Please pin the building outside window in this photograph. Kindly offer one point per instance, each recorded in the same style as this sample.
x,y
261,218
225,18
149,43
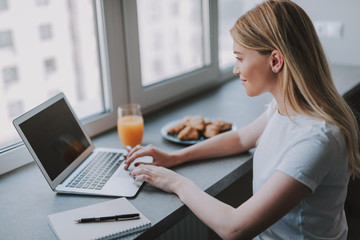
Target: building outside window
x,y
42,2
6,39
229,11
50,66
45,31
10,76
170,45
74,58
3,5
15,108
170,37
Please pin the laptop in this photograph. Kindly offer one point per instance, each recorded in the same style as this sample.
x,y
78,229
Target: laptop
x,y
66,156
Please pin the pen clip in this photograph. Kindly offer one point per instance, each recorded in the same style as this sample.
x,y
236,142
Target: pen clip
x,y
127,218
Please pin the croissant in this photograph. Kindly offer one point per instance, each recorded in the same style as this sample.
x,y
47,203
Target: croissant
x,y
196,122
211,130
176,129
192,127
223,126
188,133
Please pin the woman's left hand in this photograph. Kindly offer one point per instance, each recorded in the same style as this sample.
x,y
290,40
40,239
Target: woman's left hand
x,y
159,177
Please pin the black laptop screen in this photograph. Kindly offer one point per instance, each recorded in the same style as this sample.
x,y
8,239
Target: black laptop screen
x,y
55,137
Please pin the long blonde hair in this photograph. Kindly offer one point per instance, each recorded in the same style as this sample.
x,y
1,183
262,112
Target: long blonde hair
x,y
307,83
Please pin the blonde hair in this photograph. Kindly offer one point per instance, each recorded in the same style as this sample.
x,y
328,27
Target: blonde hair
x,y
307,83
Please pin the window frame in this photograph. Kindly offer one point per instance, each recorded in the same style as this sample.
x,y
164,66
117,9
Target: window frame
x,y
170,90
119,76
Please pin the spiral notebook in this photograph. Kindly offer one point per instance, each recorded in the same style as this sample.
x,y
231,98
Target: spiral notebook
x,y
65,227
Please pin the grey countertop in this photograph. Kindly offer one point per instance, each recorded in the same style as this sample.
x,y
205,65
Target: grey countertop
x,y
26,199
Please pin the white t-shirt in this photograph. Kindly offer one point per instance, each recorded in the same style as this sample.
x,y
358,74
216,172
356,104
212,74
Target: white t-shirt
x,y
314,153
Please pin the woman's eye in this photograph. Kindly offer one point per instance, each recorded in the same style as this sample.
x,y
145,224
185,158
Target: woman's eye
x,y
239,59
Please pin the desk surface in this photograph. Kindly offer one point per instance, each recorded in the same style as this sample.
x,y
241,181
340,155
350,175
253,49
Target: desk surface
x,y
26,199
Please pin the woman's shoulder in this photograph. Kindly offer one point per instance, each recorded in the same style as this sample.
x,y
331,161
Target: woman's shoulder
x,y
320,131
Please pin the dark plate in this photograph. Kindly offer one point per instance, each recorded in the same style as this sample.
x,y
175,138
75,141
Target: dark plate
x,y
173,137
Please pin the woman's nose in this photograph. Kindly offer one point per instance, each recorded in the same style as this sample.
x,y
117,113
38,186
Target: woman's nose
x,y
236,69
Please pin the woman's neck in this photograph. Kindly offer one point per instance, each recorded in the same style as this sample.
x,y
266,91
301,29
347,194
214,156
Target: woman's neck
x,y
284,109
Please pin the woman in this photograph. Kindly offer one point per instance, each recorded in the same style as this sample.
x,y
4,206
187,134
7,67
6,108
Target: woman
x,y
307,141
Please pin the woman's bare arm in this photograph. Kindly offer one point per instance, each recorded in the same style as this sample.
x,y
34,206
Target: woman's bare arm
x,y
277,197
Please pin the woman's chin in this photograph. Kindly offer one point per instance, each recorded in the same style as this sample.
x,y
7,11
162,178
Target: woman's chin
x,y
251,93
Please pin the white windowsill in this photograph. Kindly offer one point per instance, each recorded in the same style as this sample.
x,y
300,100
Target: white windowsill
x,y
14,158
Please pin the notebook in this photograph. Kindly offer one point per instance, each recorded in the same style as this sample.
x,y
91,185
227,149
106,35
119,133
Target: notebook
x,y
66,156
65,227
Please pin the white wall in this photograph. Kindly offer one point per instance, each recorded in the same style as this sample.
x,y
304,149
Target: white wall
x,y
344,50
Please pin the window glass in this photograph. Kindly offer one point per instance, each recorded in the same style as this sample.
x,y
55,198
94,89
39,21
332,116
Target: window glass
x,y
3,5
5,39
42,2
229,11
49,65
68,61
10,76
15,108
45,31
171,38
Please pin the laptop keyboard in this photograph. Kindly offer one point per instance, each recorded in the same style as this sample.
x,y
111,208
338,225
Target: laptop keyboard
x,y
98,171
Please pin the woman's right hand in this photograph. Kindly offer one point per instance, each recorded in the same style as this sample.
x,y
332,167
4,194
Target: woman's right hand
x,y
160,158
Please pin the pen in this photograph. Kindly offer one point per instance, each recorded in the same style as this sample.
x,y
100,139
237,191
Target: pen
x,y
122,217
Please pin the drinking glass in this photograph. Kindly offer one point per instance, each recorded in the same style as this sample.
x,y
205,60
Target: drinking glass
x,y
130,125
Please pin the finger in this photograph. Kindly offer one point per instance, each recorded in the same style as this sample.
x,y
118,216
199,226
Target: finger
x,y
128,148
132,150
143,178
144,173
136,153
132,156
138,147
136,171
142,169
143,163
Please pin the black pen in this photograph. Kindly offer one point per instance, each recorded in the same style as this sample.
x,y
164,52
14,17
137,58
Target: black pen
x,y
121,217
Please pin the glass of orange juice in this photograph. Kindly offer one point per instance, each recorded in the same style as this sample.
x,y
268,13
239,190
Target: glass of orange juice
x,y
130,124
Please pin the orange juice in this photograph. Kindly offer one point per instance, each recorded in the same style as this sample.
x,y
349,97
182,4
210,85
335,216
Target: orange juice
x,y
131,130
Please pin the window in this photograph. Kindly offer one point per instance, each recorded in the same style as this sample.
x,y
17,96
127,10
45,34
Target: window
x,y
228,13
6,39
45,31
170,38
12,109
171,48
3,5
15,109
74,58
10,76
78,66
49,65
42,2
105,53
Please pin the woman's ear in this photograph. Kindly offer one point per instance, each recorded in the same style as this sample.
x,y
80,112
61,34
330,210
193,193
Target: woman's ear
x,y
276,61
